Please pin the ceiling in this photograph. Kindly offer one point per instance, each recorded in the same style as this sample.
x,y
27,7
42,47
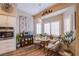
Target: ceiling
x,y
68,10
33,8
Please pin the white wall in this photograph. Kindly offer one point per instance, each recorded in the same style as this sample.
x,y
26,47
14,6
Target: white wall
x,y
29,20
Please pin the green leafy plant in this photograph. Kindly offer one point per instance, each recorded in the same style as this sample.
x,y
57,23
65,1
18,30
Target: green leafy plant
x,y
67,38
18,37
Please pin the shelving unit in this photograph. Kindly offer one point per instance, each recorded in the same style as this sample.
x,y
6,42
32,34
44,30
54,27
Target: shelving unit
x,y
25,41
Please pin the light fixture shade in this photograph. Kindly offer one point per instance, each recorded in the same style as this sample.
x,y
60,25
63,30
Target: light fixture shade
x,y
7,7
40,20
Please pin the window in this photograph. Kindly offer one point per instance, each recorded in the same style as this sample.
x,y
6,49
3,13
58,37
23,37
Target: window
x,y
47,28
55,28
51,28
38,28
67,24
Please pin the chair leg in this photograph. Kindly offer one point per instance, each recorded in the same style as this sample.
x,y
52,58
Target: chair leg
x,y
47,52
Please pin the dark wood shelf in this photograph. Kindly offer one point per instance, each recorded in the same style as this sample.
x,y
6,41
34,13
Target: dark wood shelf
x,y
23,42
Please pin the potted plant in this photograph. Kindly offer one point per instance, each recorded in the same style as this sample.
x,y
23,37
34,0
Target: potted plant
x,y
18,40
18,37
67,38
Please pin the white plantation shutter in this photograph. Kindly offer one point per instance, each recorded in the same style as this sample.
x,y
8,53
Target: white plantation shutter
x,y
55,28
38,28
67,24
47,28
